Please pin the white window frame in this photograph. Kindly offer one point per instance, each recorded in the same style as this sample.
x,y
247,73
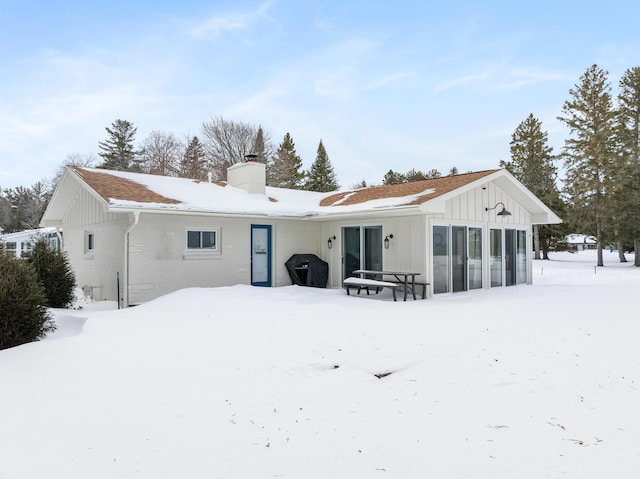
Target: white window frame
x,y
201,249
89,241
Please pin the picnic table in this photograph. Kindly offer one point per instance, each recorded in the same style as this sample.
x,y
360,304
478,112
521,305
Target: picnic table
x,y
405,278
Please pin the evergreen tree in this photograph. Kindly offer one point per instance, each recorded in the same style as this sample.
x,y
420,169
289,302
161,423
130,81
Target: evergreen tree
x,y
453,171
589,155
532,163
54,273
193,163
628,133
23,207
321,176
286,169
259,148
393,178
117,150
23,314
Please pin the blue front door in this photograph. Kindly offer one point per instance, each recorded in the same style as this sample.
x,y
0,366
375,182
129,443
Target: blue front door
x,y
261,255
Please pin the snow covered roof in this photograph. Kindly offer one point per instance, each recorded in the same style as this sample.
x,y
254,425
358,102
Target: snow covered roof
x,y
125,190
575,238
27,234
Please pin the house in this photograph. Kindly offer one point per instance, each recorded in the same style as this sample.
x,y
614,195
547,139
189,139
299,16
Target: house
x,y
580,242
142,236
20,244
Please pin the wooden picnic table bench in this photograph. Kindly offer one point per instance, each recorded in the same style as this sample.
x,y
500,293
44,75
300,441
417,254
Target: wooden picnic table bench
x,y
406,279
365,283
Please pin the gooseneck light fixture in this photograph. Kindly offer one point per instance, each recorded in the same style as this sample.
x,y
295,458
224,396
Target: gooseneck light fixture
x,y
330,242
502,212
386,241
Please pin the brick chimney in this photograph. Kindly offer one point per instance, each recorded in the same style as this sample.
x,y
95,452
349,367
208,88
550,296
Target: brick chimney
x,y
251,176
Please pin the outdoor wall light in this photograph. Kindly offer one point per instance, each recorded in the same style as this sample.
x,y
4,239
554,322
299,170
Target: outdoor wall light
x,y
502,212
330,242
386,241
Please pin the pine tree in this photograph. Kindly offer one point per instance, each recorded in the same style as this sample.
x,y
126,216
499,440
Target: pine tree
x,y
193,163
259,147
54,273
393,178
589,155
286,169
117,150
628,132
23,314
321,176
532,163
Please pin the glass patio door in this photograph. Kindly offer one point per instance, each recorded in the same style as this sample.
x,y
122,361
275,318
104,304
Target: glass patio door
x,y
457,258
362,249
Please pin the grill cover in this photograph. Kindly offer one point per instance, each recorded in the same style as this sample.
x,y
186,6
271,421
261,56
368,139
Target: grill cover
x,y
308,270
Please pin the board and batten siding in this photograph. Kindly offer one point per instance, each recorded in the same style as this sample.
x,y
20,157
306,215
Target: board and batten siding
x,y
469,207
406,249
96,272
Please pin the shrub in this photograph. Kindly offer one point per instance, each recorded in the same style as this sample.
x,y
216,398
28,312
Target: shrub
x,y
55,274
23,314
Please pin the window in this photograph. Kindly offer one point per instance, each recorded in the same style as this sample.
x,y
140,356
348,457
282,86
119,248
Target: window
x,y
89,241
27,249
202,240
11,247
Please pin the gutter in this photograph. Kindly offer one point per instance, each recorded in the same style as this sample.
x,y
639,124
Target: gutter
x,y
312,215
136,219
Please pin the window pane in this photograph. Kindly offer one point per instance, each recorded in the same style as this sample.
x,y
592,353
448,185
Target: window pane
x,y
209,239
373,248
193,239
475,258
440,259
496,257
521,272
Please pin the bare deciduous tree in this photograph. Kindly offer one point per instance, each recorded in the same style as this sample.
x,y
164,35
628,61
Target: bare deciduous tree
x,y
226,143
73,159
161,153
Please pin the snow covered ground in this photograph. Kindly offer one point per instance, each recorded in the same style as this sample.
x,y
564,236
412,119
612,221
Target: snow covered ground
x,y
532,382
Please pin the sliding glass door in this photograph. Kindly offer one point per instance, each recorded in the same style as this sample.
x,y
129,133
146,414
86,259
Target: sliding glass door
x,y
457,258
362,249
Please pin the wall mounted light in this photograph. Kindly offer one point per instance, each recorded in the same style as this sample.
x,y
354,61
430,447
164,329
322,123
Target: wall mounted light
x,y
330,242
386,241
502,212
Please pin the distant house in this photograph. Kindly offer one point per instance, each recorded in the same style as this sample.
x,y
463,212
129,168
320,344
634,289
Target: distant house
x,y
20,244
145,235
580,242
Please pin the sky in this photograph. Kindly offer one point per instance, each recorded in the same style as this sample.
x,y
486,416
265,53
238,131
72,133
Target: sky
x,y
384,85
539,381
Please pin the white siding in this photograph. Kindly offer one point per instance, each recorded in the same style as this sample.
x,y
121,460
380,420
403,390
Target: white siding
x,y
159,264
406,249
96,271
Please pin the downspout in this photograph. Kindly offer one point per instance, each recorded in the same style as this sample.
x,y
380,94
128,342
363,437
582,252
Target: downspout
x,y
136,219
60,238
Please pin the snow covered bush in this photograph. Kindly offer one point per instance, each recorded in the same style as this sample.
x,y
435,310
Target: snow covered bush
x,y
23,314
54,271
